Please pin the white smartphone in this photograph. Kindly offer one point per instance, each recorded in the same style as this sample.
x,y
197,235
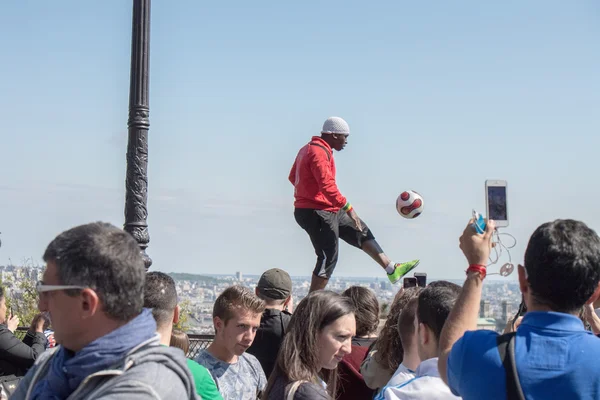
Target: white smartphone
x,y
496,202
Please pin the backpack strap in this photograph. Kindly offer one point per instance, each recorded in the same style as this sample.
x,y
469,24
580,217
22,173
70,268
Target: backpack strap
x,y
323,147
293,388
506,348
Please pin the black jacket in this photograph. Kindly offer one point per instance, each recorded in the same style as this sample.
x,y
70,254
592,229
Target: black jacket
x,y
17,356
273,326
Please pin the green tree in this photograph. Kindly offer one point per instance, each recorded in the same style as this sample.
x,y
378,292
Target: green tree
x,y
21,296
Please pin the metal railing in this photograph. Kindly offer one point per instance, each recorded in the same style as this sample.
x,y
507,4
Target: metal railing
x,y
197,342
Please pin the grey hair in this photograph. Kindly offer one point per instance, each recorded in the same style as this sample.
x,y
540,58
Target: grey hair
x,y
106,259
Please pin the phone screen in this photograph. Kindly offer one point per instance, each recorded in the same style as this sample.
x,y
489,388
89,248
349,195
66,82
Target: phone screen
x,y
497,203
421,279
410,282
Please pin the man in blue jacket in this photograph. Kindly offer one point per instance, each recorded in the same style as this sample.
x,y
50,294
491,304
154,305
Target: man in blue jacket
x,y
93,289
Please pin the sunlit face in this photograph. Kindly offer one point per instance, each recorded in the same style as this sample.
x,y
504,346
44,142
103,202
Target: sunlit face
x,y
238,333
63,309
335,341
339,141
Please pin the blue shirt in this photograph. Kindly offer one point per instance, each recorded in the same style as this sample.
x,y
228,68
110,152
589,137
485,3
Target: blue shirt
x,y
556,359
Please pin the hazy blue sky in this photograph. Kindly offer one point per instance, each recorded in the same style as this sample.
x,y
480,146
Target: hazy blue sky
x,y
439,97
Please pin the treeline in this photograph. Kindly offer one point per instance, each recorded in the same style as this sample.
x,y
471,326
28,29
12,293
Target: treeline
x,y
181,276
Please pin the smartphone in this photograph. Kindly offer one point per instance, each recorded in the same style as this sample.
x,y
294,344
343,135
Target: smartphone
x,y
421,278
410,282
495,202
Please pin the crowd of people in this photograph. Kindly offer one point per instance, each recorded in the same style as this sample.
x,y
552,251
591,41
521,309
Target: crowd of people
x,y
113,324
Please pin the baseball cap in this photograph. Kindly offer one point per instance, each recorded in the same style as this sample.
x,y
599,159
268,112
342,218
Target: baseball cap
x,y
275,284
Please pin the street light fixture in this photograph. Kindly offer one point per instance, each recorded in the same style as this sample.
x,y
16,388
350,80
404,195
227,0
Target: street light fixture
x,y
136,181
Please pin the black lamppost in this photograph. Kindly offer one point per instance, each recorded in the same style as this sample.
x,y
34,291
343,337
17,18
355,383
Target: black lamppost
x,y
136,182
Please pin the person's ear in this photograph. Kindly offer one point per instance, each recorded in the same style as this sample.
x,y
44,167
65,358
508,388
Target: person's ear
x,y
89,303
595,296
176,314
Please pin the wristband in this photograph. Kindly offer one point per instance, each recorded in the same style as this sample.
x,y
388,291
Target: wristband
x,y
347,207
481,269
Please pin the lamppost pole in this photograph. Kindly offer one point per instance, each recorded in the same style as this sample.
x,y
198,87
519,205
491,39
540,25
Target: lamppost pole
x,y
136,181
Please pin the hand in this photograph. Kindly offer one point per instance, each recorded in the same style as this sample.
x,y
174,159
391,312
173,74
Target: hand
x,y
589,314
352,214
12,323
512,328
476,247
37,325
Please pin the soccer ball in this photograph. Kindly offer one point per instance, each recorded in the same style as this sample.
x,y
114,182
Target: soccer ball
x,y
409,204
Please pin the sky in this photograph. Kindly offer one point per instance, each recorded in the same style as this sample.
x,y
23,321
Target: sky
x,y
439,96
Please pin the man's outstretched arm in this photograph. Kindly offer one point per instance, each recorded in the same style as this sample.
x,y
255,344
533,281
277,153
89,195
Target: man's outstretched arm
x,y
463,316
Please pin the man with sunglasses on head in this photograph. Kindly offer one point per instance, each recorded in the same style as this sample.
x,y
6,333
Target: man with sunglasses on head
x,y
93,290
325,214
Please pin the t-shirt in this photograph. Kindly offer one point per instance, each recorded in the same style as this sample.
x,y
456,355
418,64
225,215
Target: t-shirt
x,y
401,375
555,359
205,385
242,380
426,385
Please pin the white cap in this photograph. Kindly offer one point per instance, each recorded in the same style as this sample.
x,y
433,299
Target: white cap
x,y
336,125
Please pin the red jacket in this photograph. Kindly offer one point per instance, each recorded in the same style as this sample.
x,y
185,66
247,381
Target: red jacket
x,y
313,177
351,385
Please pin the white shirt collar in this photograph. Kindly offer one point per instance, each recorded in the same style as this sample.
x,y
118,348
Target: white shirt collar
x,y
428,368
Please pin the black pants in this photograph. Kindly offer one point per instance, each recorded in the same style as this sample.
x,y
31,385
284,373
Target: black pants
x,y
325,228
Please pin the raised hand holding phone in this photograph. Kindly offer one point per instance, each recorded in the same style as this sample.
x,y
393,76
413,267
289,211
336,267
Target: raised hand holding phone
x,y
476,247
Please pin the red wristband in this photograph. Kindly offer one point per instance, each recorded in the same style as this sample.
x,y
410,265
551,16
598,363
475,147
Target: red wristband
x,y
478,268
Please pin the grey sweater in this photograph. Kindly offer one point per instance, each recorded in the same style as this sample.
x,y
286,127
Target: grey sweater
x,y
149,371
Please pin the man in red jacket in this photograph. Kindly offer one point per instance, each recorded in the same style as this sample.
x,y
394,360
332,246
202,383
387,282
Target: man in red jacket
x,y
325,214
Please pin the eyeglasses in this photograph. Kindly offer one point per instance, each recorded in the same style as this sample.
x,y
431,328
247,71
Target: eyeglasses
x,y
41,288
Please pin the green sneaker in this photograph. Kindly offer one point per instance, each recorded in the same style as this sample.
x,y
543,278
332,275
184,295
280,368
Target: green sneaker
x,y
401,270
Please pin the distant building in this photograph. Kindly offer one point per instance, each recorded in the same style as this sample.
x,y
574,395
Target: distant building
x,y
507,311
486,323
484,309
238,276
